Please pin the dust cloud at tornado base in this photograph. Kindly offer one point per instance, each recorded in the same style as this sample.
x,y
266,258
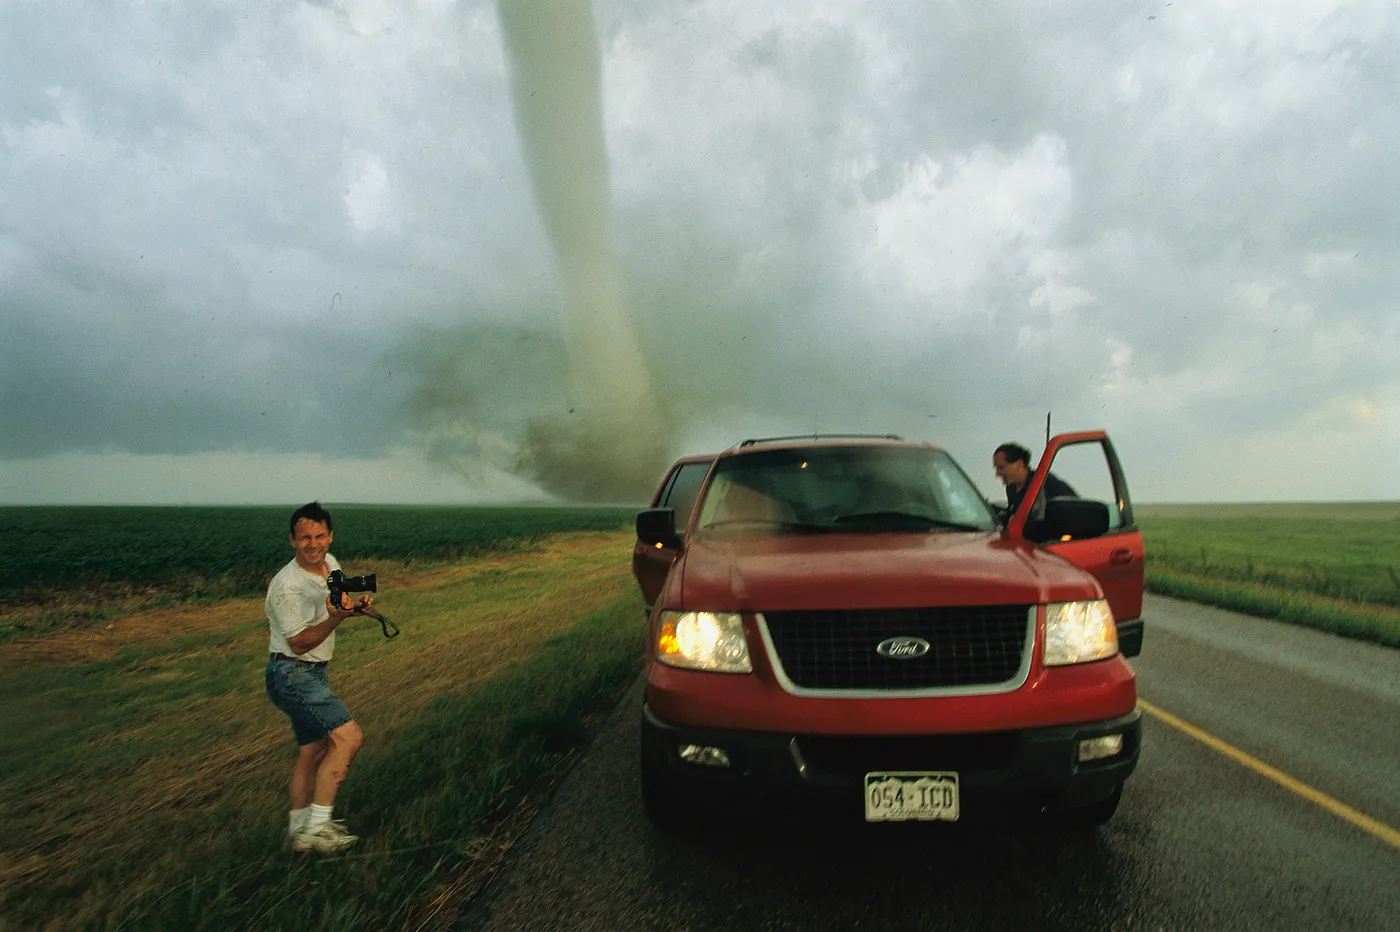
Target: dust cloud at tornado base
x,y
584,423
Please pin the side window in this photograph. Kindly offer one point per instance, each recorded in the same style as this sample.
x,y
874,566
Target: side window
x,y
1085,467
681,493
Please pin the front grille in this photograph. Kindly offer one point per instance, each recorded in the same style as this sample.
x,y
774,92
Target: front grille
x,y
968,646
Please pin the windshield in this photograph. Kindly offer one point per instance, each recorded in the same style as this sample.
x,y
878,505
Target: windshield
x,y
841,488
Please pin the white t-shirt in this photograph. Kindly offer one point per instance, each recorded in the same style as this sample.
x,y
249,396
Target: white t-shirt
x,y
296,600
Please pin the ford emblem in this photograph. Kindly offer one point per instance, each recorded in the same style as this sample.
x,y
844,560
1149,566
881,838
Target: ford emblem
x,y
902,648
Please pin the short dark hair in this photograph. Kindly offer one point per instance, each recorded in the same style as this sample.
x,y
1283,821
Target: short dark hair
x,y
311,511
1014,453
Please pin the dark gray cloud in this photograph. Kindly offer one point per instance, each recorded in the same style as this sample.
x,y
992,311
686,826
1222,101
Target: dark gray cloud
x,y
311,229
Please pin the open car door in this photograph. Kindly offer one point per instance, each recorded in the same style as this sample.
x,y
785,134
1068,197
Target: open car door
x,y
1093,527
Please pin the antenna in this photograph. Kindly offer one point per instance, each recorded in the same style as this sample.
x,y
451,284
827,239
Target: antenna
x,y
1047,428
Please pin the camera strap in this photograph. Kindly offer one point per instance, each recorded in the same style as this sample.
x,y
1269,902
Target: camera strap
x,y
384,623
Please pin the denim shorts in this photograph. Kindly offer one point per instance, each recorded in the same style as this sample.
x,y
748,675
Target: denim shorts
x,y
302,690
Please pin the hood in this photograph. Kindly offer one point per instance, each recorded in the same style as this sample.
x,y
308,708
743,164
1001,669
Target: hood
x,y
885,570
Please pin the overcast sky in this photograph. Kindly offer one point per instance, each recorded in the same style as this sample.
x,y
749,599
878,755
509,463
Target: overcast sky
x,y
269,252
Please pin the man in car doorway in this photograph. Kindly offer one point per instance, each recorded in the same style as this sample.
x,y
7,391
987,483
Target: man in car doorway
x,y
1012,463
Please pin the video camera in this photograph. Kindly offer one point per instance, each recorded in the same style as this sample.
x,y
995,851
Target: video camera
x,y
339,583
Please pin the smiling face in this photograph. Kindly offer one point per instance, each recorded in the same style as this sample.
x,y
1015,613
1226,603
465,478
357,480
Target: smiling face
x,y
312,541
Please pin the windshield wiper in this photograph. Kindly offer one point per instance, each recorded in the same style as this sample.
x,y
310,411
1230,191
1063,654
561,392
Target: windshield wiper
x,y
903,517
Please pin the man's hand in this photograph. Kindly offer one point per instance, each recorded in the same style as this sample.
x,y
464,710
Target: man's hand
x,y
342,611
346,608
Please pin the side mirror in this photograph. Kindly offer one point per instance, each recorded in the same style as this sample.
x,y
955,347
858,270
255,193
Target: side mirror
x,y
658,526
1073,519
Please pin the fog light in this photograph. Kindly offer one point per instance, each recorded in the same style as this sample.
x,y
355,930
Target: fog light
x,y
705,756
1099,748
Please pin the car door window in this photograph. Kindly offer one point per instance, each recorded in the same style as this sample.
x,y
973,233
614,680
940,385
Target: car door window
x,y
1085,467
681,493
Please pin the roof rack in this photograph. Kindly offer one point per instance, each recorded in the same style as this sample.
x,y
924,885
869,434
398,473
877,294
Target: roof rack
x,y
755,441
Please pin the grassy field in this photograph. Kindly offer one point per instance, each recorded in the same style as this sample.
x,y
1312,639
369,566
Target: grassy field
x,y
143,772
1334,566
70,567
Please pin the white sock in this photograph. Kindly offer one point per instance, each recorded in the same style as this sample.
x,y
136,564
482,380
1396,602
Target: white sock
x,y
297,818
316,816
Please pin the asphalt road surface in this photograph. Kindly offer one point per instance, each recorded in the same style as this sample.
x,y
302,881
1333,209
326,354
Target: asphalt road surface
x,y
1267,797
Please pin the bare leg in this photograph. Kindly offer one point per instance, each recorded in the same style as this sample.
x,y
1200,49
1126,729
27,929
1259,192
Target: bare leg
x,y
309,758
344,744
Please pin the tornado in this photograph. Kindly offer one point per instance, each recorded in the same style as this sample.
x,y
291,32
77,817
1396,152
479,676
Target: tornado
x,y
611,443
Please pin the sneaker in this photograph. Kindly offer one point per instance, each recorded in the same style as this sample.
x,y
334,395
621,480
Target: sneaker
x,y
326,838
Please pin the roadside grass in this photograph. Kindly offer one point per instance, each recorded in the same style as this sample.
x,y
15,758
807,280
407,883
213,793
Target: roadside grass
x,y
143,771
1332,566
1367,622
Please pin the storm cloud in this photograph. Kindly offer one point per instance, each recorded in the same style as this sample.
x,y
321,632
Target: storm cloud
x,y
306,238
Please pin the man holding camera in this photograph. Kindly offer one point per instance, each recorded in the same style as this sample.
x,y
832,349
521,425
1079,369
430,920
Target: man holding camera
x,y
303,620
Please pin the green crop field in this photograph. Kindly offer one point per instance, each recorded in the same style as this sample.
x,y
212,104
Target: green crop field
x,y
1334,566
62,546
68,567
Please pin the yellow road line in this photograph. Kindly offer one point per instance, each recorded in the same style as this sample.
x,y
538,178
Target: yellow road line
x,y
1336,807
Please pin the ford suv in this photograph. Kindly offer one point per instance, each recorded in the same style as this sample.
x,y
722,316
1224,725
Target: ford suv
x,y
846,621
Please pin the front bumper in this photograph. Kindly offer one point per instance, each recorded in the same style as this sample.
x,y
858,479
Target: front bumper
x,y
998,772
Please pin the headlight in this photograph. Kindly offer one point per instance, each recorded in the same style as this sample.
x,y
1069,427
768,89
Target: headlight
x,y
1078,632
703,641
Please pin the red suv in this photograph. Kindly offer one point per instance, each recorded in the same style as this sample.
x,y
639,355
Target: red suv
x,y
846,620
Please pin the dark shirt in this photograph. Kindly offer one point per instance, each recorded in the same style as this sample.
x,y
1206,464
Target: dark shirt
x,y
1054,487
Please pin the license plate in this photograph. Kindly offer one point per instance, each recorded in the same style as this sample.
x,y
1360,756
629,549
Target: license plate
x,y
899,797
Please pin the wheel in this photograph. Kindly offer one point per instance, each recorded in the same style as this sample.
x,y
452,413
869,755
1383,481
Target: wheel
x,y
1092,815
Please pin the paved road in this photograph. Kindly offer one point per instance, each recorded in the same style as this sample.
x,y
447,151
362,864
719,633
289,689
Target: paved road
x,y
1203,840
